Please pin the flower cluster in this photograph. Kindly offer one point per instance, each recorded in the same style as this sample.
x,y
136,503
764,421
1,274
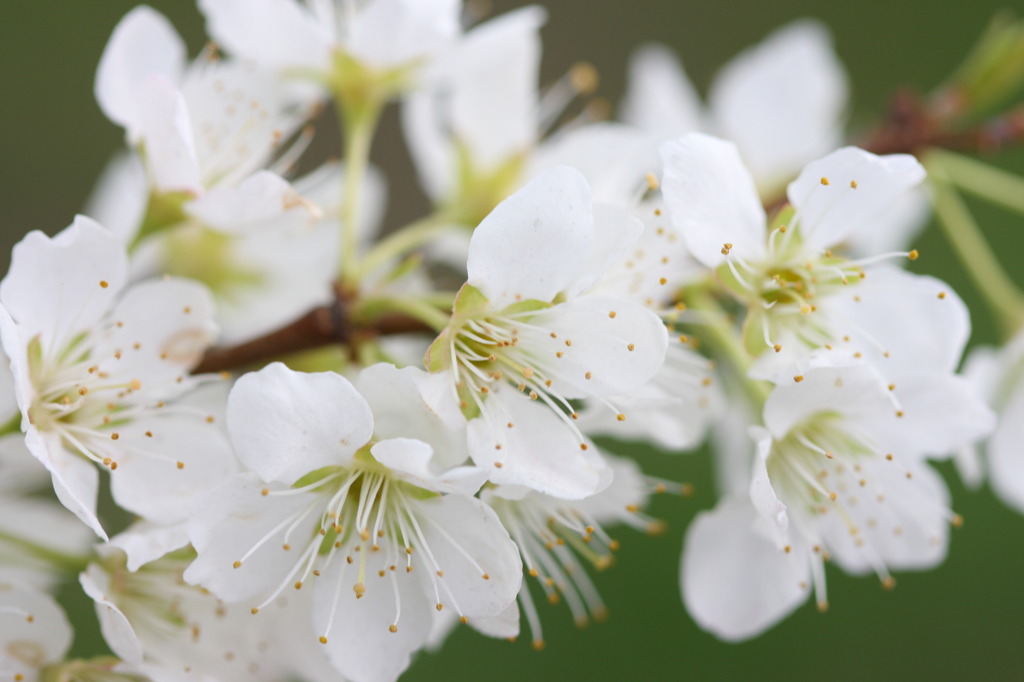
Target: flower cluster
x,y
334,446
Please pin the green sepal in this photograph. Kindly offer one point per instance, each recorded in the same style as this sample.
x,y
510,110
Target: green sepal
x,y
314,476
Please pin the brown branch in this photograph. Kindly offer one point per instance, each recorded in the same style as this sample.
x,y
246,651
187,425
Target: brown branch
x,y
912,125
323,326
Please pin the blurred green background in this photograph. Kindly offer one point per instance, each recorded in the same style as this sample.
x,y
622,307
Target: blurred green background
x,y
962,621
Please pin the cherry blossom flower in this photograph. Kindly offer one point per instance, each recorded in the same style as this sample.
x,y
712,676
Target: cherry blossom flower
x,y
96,368
34,633
386,539
321,39
839,475
526,335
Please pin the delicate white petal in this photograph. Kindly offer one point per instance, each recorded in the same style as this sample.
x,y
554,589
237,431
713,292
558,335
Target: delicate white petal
x,y
843,192
411,403
142,43
165,327
858,393
659,97
259,198
505,625
61,286
782,102
458,526
613,158
410,460
601,354
144,541
229,521
276,33
360,644
42,523
901,522
711,198
1006,452
615,231
425,127
938,414
117,631
161,476
285,424
75,481
165,133
895,228
390,33
736,583
535,243
119,198
494,104
45,637
762,494
902,322
539,452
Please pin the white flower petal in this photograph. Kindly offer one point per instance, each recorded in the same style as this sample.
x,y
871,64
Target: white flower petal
x,y
142,43
842,193
534,244
161,476
390,33
165,133
119,198
902,322
58,287
285,424
75,481
46,635
494,102
229,521
601,354
939,414
762,494
1006,454
411,460
858,393
895,228
165,327
275,33
360,643
505,625
539,452
615,231
908,529
144,541
711,198
261,197
43,523
411,403
782,102
660,98
482,568
736,583
117,631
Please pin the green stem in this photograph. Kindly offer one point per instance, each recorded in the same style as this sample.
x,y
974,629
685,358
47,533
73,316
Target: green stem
x,y
70,562
983,180
418,308
359,127
13,425
1001,294
726,339
403,240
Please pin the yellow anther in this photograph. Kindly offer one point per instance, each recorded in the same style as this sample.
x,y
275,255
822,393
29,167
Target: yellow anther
x,y
583,77
824,180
